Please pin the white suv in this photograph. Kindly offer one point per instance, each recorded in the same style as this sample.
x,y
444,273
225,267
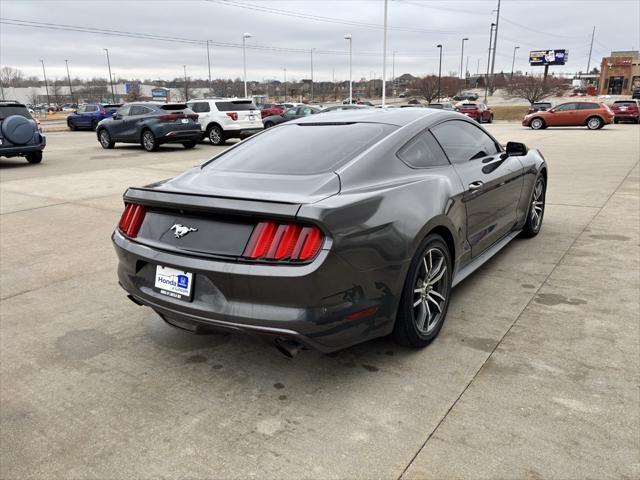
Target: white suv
x,y
223,118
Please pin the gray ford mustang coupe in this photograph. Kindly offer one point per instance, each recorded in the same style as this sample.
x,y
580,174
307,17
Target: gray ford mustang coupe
x,y
330,230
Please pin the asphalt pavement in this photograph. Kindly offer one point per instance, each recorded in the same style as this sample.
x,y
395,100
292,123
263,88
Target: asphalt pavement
x,y
534,375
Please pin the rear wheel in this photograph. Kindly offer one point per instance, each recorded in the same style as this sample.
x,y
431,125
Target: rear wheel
x,y
216,135
425,298
268,124
34,157
536,124
148,141
105,139
94,125
491,118
479,119
536,209
594,123
189,145
71,125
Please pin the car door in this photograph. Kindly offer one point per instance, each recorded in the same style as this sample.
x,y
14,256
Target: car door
x,y
90,113
131,132
492,181
117,125
203,109
586,110
564,115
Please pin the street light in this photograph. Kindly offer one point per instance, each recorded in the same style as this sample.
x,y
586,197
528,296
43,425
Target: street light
x,y
244,59
209,65
486,78
439,71
46,86
69,78
285,84
186,85
113,93
462,58
384,57
514,60
348,37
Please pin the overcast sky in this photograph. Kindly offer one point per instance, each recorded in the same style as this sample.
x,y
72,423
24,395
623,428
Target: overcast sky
x,y
293,27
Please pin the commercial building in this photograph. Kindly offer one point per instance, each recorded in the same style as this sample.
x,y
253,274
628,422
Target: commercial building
x,y
620,73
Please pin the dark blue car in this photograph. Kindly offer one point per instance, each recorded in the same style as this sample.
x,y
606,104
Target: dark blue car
x,y
89,115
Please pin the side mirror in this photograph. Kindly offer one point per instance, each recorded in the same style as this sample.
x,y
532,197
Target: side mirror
x,y
116,116
516,149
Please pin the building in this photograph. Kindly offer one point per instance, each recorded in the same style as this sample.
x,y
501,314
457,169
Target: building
x,y
620,73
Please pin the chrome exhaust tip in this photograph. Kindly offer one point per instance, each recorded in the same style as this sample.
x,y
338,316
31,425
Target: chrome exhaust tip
x,y
288,348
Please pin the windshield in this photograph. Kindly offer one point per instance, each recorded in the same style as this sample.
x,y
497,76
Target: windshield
x,y
8,110
301,149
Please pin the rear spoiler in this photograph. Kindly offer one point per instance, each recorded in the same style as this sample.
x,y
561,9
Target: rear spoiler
x,y
205,203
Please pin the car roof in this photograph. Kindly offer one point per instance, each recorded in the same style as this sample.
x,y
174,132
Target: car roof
x,y
399,117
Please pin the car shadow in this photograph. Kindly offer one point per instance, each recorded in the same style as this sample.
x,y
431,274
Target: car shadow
x,y
7,164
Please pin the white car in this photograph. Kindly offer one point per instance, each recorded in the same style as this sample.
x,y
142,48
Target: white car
x,y
224,118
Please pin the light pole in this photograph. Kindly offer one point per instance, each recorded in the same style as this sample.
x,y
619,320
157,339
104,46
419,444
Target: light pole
x,y
384,57
513,62
393,74
462,58
69,78
46,86
244,59
312,75
439,70
495,43
348,37
285,84
486,78
186,85
209,65
113,93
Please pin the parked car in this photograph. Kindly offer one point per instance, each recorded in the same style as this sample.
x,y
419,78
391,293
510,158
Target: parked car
x,y
478,111
90,114
20,133
626,110
466,96
365,102
572,114
151,124
442,106
291,114
303,234
225,118
338,108
539,106
271,109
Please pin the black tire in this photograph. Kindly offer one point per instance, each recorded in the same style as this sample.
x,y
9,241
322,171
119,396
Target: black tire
x,y
535,214
105,139
615,120
594,123
72,126
268,124
419,298
537,123
34,157
189,145
479,119
491,118
94,125
215,134
148,141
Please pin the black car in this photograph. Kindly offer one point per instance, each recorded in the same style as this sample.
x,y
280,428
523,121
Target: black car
x,y
330,230
539,107
291,114
151,124
20,134
442,106
466,96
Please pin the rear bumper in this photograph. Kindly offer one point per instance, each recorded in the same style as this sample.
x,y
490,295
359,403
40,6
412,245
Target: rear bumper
x,y
307,303
627,116
15,151
180,136
242,132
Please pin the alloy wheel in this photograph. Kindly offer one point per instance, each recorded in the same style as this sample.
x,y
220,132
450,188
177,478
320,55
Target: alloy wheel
x,y
104,138
430,291
215,136
594,123
537,205
536,123
148,141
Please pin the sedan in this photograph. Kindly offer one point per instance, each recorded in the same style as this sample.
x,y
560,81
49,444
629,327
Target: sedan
x,y
291,114
151,124
573,114
302,233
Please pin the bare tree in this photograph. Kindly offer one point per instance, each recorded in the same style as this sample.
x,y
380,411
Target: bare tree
x,y
11,76
426,86
534,89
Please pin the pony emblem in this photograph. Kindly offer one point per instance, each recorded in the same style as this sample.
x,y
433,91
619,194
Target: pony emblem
x,y
180,230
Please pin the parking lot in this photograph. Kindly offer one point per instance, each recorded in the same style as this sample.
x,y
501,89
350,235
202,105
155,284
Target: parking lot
x,y
535,373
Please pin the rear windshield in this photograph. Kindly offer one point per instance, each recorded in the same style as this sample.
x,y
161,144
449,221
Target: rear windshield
x,y
625,102
174,106
8,110
435,105
542,104
302,149
236,105
468,105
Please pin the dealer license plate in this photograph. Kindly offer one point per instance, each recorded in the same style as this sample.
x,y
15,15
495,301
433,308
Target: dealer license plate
x,y
174,283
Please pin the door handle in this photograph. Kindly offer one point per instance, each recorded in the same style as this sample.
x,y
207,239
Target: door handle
x,y
476,185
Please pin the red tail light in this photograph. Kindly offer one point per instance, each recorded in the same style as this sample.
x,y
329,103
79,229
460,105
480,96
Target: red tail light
x,y
131,219
283,241
170,116
232,115
193,116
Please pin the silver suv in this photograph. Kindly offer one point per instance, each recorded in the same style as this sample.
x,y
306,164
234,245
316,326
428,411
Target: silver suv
x,y
224,118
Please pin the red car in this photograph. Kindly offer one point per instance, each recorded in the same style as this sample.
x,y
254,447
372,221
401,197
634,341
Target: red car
x,y
270,109
572,114
626,110
478,111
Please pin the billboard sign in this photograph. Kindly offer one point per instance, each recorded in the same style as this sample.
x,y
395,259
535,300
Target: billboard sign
x,y
159,93
131,87
548,57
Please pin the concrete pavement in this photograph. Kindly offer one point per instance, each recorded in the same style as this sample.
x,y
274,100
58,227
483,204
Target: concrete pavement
x,y
534,375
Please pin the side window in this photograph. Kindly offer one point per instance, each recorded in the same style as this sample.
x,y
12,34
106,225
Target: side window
x,y
200,107
91,108
463,141
306,111
81,109
566,107
589,106
124,111
423,151
139,110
